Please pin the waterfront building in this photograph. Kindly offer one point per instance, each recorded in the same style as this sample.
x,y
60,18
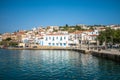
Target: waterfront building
x,y
93,35
83,37
73,41
39,40
21,45
90,36
55,40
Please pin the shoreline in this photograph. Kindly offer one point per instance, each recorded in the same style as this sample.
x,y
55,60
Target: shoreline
x,y
41,48
111,55
114,56
52,48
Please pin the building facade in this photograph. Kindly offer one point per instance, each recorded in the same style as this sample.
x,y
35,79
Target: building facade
x,y
60,40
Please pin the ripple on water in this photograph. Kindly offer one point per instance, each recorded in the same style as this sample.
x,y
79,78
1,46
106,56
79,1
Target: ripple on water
x,y
55,65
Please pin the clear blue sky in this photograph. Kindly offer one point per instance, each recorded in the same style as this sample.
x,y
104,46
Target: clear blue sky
x,y
25,14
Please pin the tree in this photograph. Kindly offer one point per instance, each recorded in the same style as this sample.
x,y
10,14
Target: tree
x,y
5,43
65,28
13,44
8,39
78,27
54,30
101,37
71,30
8,42
66,25
91,28
110,36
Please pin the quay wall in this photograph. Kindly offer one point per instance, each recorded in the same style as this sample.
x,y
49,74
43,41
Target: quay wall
x,y
51,48
81,50
41,48
102,54
114,57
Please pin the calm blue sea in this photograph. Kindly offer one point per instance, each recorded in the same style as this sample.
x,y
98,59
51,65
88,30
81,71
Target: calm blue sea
x,y
55,65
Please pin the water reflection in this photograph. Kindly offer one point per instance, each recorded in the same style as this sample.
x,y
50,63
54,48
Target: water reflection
x,y
55,64
58,62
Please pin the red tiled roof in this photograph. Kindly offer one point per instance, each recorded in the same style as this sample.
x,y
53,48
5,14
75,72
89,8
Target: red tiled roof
x,y
78,32
93,35
55,34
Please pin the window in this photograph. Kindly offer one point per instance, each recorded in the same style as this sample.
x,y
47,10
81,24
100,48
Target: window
x,y
53,39
64,44
53,44
57,44
60,44
46,38
56,37
49,44
64,37
61,38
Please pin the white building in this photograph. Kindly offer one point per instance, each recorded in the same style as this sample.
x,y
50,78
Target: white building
x,y
84,36
115,28
62,32
91,36
73,39
55,40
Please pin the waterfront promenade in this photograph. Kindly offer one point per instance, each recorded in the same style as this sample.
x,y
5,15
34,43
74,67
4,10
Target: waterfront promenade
x,y
83,47
99,50
109,51
111,54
